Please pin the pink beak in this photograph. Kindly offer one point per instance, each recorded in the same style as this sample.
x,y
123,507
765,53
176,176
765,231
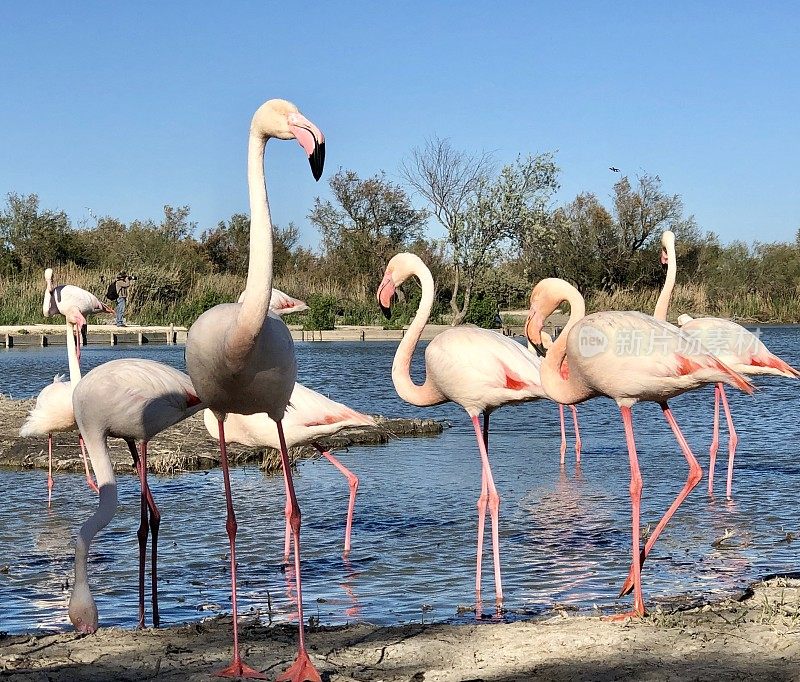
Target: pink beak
x,y
311,139
385,294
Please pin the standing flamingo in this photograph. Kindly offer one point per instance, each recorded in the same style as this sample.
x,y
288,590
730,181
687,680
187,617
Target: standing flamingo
x,y
628,357
72,302
241,359
730,342
53,413
135,400
476,368
309,417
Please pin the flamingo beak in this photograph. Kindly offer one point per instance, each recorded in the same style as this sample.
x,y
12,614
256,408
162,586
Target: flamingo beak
x,y
533,331
311,139
386,295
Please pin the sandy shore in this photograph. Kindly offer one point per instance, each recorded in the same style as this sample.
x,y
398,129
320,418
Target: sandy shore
x,y
755,638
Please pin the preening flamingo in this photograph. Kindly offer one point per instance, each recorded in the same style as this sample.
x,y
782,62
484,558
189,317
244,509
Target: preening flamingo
x,y
309,417
73,303
53,413
134,400
737,347
478,369
628,357
241,359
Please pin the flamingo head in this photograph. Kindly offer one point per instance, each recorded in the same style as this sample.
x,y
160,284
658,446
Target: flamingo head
x,y
667,246
546,296
48,277
399,269
281,119
82,609
683,319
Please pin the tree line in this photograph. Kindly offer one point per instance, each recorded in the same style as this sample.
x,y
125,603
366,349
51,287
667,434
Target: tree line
x,y
501,231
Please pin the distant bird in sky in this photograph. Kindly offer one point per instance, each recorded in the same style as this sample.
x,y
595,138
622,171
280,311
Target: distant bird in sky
x,y
613,169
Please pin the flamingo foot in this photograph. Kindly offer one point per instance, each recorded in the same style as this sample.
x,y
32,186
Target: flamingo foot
x,y
619,617
302,670
239,669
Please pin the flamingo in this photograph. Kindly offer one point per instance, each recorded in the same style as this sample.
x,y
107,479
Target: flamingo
x,y
53,413
309,416
628,357
730,342
476,368
72,302
241,359
135,400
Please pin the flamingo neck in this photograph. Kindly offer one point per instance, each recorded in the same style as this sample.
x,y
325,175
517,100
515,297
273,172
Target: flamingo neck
x,y
664,298
97,449
258,290
562,383
72,355
426,394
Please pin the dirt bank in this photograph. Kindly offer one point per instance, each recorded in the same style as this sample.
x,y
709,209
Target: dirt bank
x,y
184,447
757,638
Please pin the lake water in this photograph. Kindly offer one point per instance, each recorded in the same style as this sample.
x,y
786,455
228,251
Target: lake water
x,y
565,534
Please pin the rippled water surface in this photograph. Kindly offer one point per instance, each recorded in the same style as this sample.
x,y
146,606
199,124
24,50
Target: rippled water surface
x,y
565,534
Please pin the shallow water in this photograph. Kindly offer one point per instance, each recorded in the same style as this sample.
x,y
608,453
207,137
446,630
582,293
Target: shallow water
x,y
565,534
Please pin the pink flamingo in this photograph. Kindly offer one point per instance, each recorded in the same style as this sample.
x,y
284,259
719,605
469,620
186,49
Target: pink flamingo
x,y
73,303
241,358
737,347
309,417
478,369
53,413
135,400
628,357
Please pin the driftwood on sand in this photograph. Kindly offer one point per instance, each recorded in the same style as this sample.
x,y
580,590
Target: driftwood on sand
x,y
184,447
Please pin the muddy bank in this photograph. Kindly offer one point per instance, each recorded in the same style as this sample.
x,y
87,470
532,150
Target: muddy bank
x,y
755,638
183,447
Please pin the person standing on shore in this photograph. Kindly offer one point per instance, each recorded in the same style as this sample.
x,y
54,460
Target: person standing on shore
x,y
122,284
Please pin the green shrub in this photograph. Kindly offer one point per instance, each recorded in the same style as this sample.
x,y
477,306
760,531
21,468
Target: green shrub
x,y
482,311
321,313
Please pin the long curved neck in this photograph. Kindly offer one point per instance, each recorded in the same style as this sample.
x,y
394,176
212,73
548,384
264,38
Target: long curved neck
x,y
561,384
258,290
664,298
101,464
72,355
426,394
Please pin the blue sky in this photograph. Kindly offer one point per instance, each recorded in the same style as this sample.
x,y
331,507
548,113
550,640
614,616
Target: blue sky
x,y
123,107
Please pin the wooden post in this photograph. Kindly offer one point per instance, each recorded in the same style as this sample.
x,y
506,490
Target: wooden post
x,y
171,335
113,339
9,341
140,338
363,334
43,341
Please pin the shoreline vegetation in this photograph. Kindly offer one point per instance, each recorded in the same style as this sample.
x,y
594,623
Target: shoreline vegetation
x,y
752,636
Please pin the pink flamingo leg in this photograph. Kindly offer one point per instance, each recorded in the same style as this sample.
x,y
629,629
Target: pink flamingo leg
x,y
695,474
712,453
155,523
49,468
142,533
287,533
733,441
493,504
302,670
89,480
237,668
78,338
563,448
482,504
352,481
578,443
636,497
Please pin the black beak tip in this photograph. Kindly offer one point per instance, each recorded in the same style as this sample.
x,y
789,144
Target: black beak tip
x,y
317,160
540,351
387,312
